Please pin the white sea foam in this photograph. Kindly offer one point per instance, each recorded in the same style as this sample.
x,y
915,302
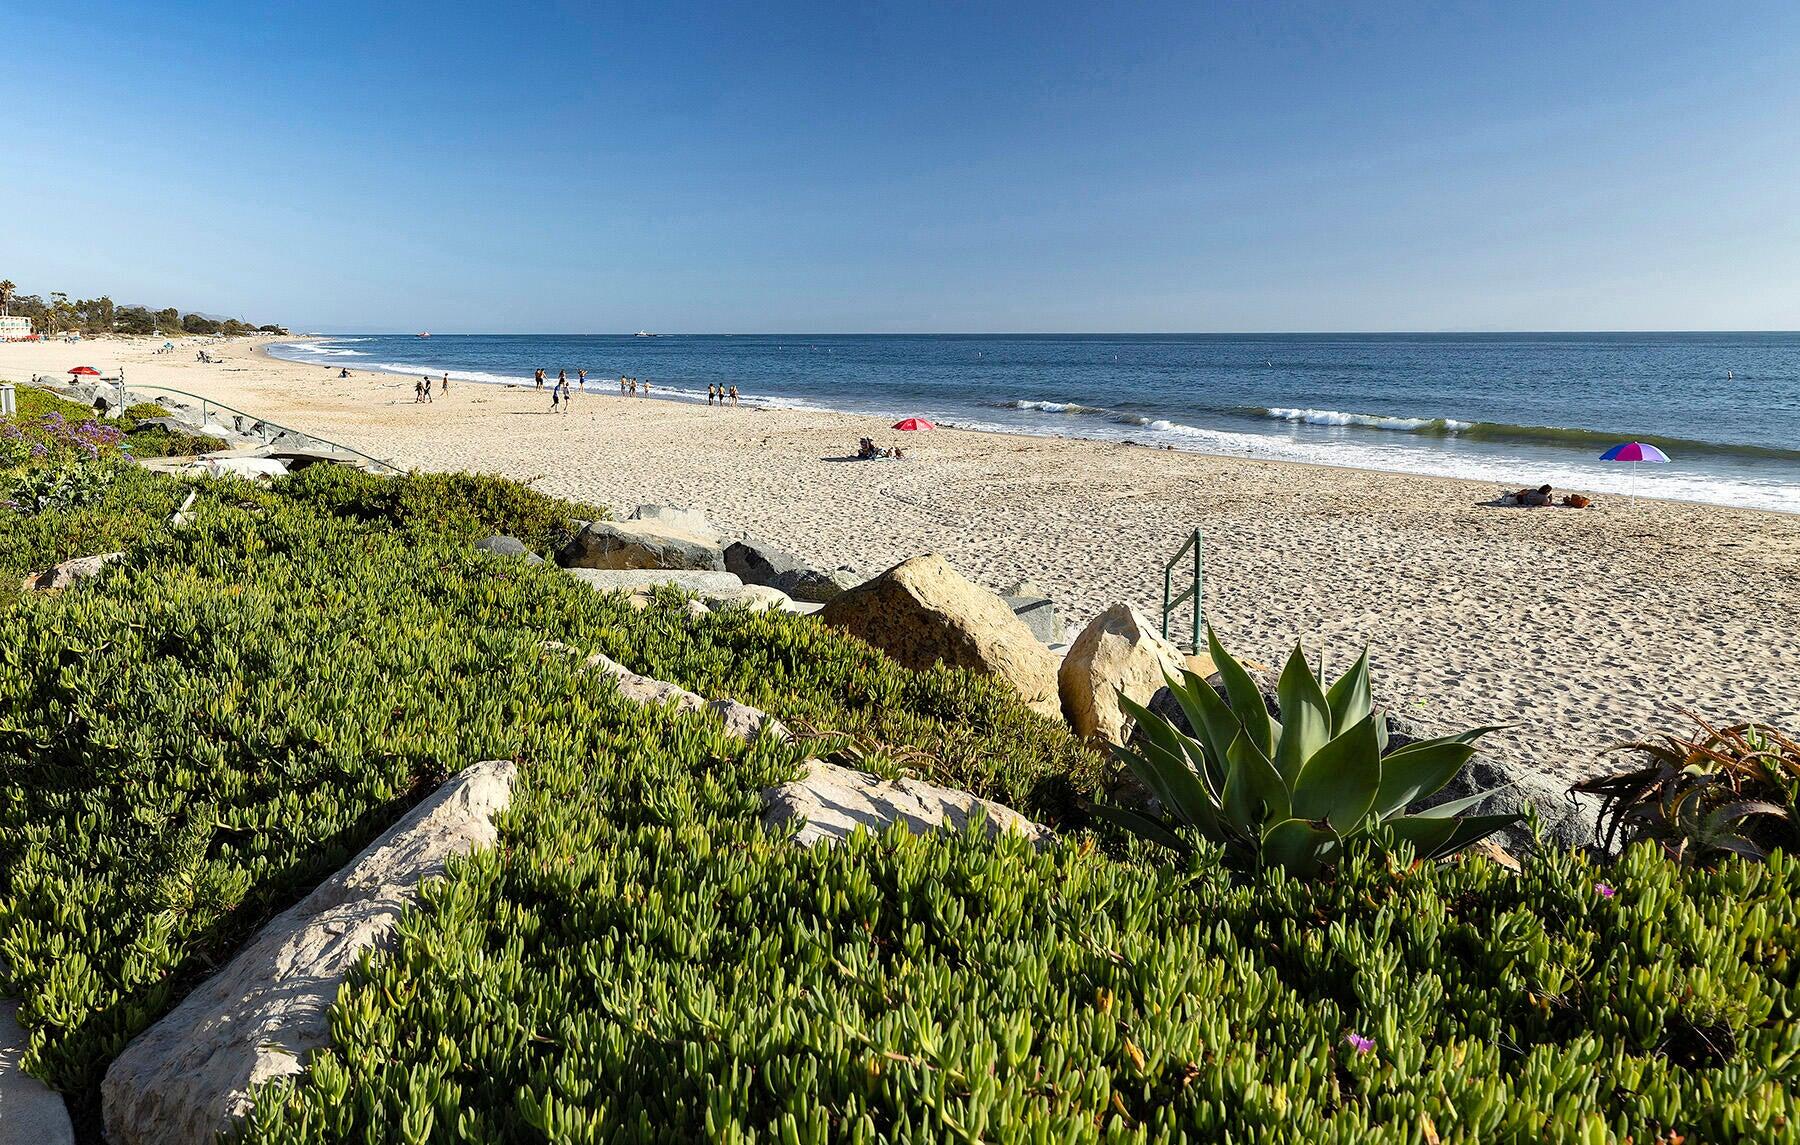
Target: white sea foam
x,y
1367,420
1050,407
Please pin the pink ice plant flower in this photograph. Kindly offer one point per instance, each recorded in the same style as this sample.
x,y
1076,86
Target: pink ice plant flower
x,y
1362,1045
1605,889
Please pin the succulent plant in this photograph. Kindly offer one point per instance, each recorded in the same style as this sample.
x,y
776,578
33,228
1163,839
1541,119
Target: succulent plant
x,y
1289,793
1722,791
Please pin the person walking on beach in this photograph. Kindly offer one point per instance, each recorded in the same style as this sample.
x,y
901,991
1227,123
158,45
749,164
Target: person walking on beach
x,y
646,387
733,395
556,397
426,382
540,379
444,386
418,392
709,393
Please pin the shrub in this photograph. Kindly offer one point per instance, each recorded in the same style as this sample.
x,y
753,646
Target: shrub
x,y
1290,793
1731,790
465,506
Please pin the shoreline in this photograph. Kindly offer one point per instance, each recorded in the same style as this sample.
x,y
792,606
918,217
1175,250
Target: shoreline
x,y
1580,629
1503,455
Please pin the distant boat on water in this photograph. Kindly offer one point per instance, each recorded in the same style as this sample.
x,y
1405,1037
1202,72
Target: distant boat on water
x,y
424,333
643,334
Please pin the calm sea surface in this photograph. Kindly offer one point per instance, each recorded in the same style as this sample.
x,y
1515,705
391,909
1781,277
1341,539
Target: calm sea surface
x,y
1511,408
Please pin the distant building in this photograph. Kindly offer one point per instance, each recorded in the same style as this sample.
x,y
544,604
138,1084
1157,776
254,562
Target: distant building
x,y
14,327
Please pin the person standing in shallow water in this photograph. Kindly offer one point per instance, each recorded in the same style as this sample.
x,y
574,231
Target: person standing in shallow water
x,y
539,378
581,375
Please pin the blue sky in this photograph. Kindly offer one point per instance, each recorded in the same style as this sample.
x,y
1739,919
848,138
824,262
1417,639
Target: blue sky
x,y
912,167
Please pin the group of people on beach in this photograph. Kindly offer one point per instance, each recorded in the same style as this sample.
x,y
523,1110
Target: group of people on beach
x,y
721,394
421,388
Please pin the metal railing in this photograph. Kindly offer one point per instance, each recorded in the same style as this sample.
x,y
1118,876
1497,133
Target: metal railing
x,y
207,405
1171,602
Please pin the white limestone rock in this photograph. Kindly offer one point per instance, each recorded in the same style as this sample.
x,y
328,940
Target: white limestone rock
x,y
834,801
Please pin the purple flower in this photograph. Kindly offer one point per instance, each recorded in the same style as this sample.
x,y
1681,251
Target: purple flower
x,y
1361,1044
1605,889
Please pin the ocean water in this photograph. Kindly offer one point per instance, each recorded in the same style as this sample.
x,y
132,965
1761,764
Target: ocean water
x,y
1514,409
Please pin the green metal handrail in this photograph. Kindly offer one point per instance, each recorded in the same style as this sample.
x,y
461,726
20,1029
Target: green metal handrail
x,y
1170,604
207,405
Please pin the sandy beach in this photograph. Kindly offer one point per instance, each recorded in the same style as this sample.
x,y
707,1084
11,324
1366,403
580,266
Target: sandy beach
x,y
1580,628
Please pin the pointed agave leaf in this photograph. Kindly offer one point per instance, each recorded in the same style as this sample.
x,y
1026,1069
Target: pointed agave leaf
x,y
1305,717
1472,829
1350,700
1340,780
1168,738
1451,808
1241,690
1420,769
1298,847
1426,833
1381,731
1254,792
1143,826
1174,784
1210,717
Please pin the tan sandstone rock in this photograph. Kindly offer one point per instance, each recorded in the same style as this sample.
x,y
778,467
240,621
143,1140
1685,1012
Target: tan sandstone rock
x,y
63,575
190,1076
923,612
1120,650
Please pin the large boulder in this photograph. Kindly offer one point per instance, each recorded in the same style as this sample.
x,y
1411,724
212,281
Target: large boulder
x,y
832,802
189,1077
1119,651
648,544
759,562
923,612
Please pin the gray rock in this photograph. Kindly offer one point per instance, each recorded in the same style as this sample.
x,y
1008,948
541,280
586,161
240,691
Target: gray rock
x,y
31,1113
833,801
755,597
759,562
67,573
1039,615
508,547
817,586
190,1076
705,584
1569,820
640,545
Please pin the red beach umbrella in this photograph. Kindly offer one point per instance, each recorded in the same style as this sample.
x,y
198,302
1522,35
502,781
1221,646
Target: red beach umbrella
x,y
86,371
914,423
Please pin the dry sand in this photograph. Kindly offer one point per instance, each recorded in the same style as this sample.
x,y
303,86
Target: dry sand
x,y
1581,629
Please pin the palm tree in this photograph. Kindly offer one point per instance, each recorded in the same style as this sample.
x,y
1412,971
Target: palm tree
x,y
7,287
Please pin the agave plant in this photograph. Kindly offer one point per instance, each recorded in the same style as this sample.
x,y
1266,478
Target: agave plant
x,y
1289,793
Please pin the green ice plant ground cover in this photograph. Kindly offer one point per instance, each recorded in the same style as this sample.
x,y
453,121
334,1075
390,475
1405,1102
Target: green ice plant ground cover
x,y
194,739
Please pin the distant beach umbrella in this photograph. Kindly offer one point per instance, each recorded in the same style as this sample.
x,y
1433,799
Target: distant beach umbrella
x,y
1634,452
86,371
914,423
